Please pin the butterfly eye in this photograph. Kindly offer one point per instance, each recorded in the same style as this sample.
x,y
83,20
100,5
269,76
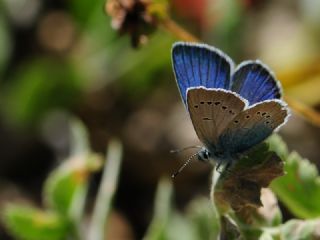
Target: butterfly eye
x,y
203,155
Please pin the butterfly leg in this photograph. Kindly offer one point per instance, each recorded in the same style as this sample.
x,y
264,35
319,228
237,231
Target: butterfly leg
x,y
220,168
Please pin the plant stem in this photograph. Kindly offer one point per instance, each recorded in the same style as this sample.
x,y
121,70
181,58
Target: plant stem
x,y
175,29
162,211
106,191
307,112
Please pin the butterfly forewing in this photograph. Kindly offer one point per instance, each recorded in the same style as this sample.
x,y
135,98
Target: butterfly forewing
x,y
252,126
211,110
200,65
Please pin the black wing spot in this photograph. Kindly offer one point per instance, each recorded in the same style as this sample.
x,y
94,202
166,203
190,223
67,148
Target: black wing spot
x,y
267,122
263,113
209,103
196,106
231,112
201,102
258,113
268,116
236,121
224,107
247,116
216,103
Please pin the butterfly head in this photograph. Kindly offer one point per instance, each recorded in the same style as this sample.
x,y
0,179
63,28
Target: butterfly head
x,y
213,156
204,155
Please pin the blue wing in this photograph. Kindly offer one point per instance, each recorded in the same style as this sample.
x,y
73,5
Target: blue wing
x,y
253,81
253,126
198,65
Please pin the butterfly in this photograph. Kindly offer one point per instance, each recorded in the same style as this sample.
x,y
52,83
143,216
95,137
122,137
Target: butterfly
x,y
231,109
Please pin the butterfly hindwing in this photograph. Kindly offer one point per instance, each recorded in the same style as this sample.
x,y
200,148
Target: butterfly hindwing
x,y
252,126
211,110
254,82
198,65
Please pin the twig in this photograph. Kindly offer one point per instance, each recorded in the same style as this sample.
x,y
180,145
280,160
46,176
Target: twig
x,y
106,191
307,112
172,27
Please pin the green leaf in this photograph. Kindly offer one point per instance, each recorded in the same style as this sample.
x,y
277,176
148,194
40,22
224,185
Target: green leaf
x,y
277,145
28,223
250,219
300,230
240,186
299,189
229,229
66,186
180,227
204,219
266,236
291,230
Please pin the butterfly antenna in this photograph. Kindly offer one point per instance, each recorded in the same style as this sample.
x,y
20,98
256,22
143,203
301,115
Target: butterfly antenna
x,y
183,149
175,174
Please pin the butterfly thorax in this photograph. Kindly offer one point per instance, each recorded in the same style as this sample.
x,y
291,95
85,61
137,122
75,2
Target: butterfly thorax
x,y
214,156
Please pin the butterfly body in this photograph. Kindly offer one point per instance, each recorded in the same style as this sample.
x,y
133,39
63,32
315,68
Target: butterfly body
x,y
232,109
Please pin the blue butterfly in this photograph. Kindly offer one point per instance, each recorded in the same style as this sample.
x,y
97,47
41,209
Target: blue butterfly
x,y
232,109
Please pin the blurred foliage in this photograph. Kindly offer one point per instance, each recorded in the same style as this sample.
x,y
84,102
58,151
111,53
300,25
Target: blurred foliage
x,y
66,187
228,27
98,56
199,221
29,223
5,45
299,189
65,193
39,86
284,34
95,60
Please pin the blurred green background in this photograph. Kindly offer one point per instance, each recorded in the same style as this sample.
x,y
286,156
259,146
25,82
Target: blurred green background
x,y
62,58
